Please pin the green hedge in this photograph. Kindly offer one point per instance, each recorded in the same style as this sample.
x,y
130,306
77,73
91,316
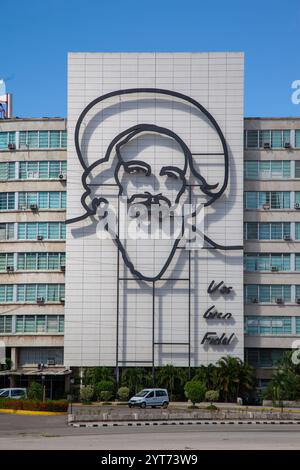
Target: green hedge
x,y
34,405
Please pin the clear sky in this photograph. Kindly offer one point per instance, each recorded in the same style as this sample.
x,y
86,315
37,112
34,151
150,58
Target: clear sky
x,y
36,35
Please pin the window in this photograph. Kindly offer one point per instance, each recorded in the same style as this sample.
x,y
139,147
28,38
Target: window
x,y
6,260
274,138
43,199
297,231
41,170
43,139
267,262
267,169
261,325
47,230
297,138
297,325
297,292
273,199
263,357
266,293
7,138
5,324
7,231
7,171
297,197
297,262
297,169
7,201
31,292
40,261
267,230
6,293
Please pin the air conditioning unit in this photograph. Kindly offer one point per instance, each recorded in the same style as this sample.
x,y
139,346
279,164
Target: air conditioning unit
x,y
34,207
266,145
254,301
279,301
63,268
40,237
40,300
11,147
298,301
62,176
10,269
62,300
297,205
266,206
274,269
286,237
287,145
51,361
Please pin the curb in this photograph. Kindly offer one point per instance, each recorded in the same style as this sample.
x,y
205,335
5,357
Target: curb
x,y
36,413
171,423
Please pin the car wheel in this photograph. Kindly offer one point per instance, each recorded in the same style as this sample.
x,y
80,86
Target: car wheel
x,y
143,405
165,404
130,406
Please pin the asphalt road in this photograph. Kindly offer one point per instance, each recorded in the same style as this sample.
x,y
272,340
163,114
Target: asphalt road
x,y
52,433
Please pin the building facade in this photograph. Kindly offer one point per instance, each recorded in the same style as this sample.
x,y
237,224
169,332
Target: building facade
x,y
272,236
33,165
146,301
142,302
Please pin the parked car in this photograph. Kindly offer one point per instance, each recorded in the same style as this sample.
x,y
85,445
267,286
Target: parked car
x,y
150,397
15,393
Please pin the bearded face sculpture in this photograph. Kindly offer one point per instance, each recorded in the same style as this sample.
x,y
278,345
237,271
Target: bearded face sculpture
x,y
150,180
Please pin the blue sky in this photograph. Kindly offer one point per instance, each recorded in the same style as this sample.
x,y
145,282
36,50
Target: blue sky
x,y
37,34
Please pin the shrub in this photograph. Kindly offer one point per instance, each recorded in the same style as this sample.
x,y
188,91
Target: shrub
x,y
123,393
104,386
86,394
34,405
35,391
212,395
195,391
105,395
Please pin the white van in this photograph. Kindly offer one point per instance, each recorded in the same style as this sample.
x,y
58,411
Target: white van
x,y
15,393
150,397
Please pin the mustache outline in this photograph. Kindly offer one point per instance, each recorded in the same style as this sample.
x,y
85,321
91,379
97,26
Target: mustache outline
x,y
148,199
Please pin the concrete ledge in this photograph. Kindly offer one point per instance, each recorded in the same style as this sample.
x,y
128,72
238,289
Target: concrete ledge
x,y
173,423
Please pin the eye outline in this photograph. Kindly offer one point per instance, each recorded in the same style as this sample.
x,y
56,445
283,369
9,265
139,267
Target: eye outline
x,y
137,166
172,172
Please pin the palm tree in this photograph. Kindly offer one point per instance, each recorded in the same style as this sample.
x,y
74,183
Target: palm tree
x,y
135,378
169,377
207,375
234,377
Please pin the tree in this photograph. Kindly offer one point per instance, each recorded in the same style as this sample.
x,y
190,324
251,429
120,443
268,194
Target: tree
x,y
123,393
170,378
195,391
234,377
135,378
207,375
284,385
87,393
212,395
104,386
93,375
35,391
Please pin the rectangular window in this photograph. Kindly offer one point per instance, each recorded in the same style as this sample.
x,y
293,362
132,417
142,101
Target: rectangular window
x,y
263,325
267,262
273,199
267,230
42,139
47,230
297,262
266,293
252,139
297,230
7,171
297,138
297,169
7,138
6,293
7,201
5,324
6,261
7,231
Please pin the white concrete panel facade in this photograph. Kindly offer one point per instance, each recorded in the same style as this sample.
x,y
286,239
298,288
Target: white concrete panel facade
x,y
97,306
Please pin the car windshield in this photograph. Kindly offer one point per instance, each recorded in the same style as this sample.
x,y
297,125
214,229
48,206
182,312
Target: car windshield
x,y
143,393
4,393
